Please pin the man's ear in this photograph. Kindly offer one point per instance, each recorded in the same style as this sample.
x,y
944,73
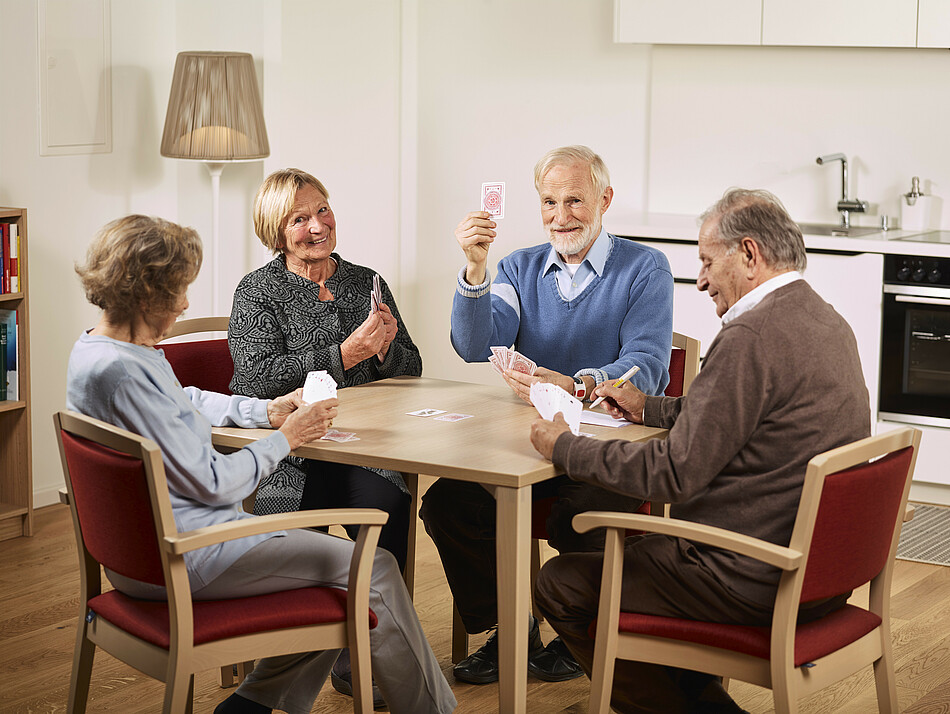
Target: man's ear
x,y
750,253
606,199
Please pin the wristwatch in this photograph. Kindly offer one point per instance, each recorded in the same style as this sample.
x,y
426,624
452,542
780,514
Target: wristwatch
x,y
580,389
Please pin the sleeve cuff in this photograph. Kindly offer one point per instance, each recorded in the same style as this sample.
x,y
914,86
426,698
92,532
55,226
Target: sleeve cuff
x,y
599,375
473,291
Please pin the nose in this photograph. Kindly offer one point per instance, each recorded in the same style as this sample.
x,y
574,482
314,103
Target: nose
x,y
561,214
702,284
316,225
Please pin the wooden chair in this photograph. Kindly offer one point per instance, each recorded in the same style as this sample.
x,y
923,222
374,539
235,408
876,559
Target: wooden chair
x,y
205,364
123,520
684,366
846,533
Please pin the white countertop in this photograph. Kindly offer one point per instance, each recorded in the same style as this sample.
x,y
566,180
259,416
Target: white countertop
x,y
685,228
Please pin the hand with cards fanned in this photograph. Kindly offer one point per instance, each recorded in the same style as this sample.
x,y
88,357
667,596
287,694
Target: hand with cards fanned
x,y
375,295
550,399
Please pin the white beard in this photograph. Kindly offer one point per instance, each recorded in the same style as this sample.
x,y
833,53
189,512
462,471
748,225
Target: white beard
x,y
573,243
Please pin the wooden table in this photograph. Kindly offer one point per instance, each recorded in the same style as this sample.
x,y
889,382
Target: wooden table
x,y
491,448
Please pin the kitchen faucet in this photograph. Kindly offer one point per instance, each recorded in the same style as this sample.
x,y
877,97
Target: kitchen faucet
x,y
845,206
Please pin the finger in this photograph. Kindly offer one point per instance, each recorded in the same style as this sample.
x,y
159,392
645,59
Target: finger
x,y
559,419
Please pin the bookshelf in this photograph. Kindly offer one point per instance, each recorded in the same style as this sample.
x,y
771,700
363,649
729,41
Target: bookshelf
x,y
16,457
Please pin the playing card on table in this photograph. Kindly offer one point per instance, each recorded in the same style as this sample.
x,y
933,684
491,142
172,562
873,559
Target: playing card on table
x,y
319,386
549,399
334,435
426,412
493,198
453,417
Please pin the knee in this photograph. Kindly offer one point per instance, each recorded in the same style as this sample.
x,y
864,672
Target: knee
x,y
542,587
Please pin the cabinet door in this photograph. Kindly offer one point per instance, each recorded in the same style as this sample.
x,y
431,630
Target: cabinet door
x,y
933,24
840,23
852,284
688,22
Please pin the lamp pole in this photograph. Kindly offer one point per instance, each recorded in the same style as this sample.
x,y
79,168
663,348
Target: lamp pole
x,y
215,168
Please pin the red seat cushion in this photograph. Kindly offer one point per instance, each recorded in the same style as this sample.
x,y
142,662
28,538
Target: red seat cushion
x,y
813,640
220,619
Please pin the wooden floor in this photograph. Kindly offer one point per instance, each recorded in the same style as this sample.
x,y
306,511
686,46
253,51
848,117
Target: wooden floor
x,y
39,586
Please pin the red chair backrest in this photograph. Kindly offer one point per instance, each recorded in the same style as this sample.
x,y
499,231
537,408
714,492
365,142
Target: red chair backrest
x,y
677,373
855,524
205,364
109,490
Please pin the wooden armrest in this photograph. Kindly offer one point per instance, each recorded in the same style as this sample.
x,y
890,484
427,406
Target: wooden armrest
x,y
777,555
202,537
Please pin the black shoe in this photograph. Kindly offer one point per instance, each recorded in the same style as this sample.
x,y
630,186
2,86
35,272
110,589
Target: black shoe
x,y
343,683
481,667
555,663
236,704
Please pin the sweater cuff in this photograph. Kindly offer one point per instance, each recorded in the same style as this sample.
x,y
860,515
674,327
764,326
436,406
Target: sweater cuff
x,y
473,291
651,411
599,375
561,449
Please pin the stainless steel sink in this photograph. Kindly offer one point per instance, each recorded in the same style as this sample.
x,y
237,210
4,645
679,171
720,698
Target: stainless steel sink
x,y
830,229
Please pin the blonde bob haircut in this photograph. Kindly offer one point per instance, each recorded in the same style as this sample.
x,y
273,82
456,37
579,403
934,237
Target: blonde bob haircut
x,y
140,265
274,202
569,155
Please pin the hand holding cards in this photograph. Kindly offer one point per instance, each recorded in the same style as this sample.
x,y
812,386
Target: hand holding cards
x,y
550,399
319,386
503,358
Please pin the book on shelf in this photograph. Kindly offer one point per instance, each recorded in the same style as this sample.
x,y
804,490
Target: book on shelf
x,y
5,257
14,258
9,378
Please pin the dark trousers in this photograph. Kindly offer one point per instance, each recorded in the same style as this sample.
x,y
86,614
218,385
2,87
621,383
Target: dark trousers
x,y
332,485
661,576
460,518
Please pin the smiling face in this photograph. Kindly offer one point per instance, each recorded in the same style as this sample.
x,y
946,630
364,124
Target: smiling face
x,y
571,209
722,274
310,228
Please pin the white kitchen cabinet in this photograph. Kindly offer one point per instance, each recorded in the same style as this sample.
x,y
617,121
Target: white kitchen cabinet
x,y
688,22
933,23
840,23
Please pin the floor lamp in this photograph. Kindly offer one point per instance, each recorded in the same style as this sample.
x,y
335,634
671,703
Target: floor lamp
x,y
215,116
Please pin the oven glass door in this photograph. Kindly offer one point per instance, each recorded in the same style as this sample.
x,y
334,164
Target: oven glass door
x,y
915,355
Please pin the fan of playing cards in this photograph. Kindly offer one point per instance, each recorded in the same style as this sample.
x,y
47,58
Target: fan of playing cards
x,y
319,386
550,399
375,296
503,358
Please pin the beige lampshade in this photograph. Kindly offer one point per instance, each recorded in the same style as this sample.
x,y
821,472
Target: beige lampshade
x,y
214,109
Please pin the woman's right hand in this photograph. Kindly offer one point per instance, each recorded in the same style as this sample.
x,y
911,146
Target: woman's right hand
x,y
309,422
365,341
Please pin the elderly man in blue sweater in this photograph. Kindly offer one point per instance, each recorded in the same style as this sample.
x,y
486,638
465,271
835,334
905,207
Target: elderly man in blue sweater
x,y
586,306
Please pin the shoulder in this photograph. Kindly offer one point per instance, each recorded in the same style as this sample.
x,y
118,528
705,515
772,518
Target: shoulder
x,y
271,272
638,256
526,258
352,270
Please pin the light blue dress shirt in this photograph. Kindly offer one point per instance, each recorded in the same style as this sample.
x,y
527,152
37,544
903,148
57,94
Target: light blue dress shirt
x,y
570,286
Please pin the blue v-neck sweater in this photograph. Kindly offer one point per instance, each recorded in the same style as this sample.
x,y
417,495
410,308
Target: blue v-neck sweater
x,y
622,318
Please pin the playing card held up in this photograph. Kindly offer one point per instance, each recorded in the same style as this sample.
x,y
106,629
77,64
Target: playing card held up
x,y
493,198
319,386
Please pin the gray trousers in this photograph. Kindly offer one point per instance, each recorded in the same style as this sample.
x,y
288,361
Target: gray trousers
x,y
404,667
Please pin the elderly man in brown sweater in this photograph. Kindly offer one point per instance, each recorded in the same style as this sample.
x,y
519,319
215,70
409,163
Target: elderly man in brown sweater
x,y
780,383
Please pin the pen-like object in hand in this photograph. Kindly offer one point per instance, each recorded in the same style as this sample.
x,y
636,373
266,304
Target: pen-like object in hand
x,y
626,375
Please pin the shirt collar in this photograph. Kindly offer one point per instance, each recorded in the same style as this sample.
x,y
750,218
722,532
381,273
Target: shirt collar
x,y
596,256
755,296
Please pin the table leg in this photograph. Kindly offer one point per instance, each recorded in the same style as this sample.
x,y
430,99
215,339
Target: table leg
x,y
409,573
514,563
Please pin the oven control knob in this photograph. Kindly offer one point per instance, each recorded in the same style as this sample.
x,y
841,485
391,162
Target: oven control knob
x,y
919,275
934,275
903,272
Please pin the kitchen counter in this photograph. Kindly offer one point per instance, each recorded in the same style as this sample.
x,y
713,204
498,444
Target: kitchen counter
x,y
681,228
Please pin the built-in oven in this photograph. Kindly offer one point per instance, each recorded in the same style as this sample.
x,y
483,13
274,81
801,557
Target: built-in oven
x,y
915,341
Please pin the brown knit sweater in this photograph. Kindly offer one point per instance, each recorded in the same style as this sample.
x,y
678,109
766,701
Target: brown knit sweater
x,y
779,384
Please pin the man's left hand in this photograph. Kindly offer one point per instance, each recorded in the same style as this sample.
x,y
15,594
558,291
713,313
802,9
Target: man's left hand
x,y
544,433
521,383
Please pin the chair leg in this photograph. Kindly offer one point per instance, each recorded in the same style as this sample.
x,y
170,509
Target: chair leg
x,y
884,681
179,692
82,670
227,676
459,636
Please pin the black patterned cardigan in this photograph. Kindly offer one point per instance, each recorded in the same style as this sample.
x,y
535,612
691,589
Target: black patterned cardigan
x,y
280,330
